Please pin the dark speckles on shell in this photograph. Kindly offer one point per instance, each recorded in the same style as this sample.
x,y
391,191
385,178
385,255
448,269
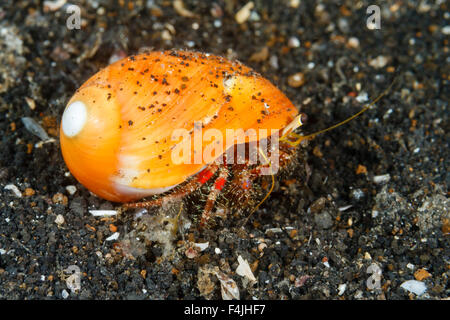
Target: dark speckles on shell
x,y
159,92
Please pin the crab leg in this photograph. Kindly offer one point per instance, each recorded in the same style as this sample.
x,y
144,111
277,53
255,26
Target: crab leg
x,y
219,183
201,178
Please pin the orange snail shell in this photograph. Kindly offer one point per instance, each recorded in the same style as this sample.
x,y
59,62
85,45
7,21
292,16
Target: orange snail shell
x,y
116,131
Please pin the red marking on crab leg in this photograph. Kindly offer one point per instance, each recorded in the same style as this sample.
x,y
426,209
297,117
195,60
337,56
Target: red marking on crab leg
x,y
220,183
180,192
205,175
218,186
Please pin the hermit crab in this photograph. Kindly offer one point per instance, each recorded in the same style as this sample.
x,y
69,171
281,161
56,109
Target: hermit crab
x,y
159,124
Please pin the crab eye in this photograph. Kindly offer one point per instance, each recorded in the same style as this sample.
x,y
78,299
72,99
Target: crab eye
x,y
303,118
246,184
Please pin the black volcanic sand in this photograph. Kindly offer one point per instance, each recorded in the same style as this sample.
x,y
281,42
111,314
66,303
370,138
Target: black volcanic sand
x,y
329,217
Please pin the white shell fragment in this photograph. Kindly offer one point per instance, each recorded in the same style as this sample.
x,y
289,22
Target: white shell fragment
x,y
179,7
59,219
113,237
244,269
73,282
414,286
294,3
274,230
35,128
381,178
31,103
378,62
53,5
341,289
244,13
64,294
446,30
103,213
201,246
14,189
293,42
228,287
410,266
344,208
140,213
362,97
71,190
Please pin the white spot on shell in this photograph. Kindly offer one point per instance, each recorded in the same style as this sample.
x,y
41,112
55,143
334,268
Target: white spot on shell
x,y
228,84
206,120
128,169
74,118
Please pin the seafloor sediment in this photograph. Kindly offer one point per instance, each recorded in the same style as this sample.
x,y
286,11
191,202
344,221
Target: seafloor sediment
x,y
370,194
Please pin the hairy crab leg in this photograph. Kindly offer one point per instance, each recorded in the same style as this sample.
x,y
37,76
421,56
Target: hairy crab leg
x,y
201,178
219,184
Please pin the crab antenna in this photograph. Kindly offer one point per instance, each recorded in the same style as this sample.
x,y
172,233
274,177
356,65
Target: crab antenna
x,y
176,220
300,138
268,194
